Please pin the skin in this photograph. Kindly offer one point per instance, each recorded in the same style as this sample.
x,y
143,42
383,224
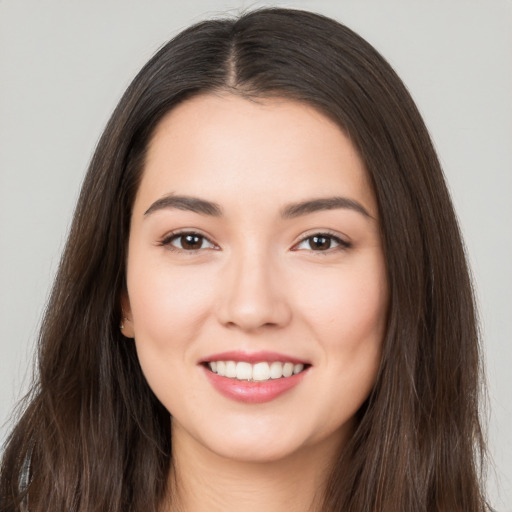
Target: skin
x,y
255,283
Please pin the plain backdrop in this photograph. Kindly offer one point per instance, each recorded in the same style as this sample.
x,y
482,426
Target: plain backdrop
x,y
64,65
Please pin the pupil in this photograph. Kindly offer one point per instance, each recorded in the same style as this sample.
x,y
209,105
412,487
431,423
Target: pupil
x,y
321,242
192,242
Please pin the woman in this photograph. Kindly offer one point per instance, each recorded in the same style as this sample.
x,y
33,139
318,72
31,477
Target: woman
x,y
264,250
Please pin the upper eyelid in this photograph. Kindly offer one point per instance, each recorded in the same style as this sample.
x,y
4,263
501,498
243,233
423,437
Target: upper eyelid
x,y
166,241
341,245
178,232
325,232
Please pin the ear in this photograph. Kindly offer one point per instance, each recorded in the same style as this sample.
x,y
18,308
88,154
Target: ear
x,y
126,323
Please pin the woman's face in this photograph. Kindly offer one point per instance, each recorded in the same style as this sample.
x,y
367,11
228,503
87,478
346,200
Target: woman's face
x,y
255,250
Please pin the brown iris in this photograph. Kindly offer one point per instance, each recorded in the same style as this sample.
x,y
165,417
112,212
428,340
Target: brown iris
x,y
191,241
320,243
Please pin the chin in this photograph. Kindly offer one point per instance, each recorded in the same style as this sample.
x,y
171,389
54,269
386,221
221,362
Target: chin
x,y
255,451
242,442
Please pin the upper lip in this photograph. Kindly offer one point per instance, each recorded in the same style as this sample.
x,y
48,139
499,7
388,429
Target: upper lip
x,y
253,357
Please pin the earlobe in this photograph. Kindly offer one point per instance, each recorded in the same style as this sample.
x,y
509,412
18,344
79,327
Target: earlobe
x,y
126,323
126,328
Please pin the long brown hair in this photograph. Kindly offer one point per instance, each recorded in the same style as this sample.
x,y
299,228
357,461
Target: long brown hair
x,y
93,437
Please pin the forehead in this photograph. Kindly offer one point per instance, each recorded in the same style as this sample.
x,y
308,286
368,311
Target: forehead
x,y
229,148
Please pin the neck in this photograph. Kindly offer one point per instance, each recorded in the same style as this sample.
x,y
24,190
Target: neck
x,y
201,480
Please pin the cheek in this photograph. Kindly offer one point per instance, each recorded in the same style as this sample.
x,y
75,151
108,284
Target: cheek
x,y
167,303
168,307
347,307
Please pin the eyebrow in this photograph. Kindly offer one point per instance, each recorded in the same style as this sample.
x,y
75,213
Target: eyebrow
x,y
291,211
324,203
188,203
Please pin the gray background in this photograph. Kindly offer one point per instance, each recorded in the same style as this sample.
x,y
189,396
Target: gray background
x,y
64,65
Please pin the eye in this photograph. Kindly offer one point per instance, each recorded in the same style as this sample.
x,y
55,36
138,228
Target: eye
x,y
322,242
187,241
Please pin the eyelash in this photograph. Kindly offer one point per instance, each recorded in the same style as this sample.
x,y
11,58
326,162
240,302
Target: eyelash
x,y
167,241
342,244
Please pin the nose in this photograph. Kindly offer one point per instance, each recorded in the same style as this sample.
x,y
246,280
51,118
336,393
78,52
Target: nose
x,y
253,296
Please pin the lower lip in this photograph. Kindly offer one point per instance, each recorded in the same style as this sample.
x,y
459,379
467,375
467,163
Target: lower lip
x,y
253,392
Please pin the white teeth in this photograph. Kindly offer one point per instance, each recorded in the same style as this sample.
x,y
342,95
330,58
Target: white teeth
x,y
259,372
221,368
287,369
276,370
230,369
243,371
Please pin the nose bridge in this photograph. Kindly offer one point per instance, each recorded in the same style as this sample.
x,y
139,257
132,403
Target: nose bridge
x,y
253,294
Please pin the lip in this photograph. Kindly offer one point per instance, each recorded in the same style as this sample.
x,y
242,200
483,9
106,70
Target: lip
x,y
253,392
248,391
254,357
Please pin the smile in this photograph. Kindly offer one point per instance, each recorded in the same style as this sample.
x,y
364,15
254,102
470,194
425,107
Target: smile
x,y
254,377
259,372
